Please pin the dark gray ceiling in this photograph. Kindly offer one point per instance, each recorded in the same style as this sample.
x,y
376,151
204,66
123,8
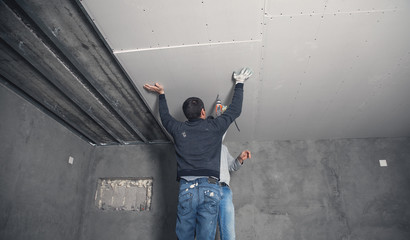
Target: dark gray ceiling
x,y
52,55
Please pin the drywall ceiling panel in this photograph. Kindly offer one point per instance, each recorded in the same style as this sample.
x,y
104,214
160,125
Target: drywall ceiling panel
x,y
129,24
288,46
203,71
374,69
323,69
192,47
329,76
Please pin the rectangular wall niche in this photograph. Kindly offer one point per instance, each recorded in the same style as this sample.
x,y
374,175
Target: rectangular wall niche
x,y
124,194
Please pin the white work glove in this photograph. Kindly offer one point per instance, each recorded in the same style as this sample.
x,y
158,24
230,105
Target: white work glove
x,y
243,75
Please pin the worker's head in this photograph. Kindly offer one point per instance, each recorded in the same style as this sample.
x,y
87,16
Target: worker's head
x,y
193,108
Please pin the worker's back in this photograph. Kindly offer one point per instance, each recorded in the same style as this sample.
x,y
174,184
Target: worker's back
x,y
198,141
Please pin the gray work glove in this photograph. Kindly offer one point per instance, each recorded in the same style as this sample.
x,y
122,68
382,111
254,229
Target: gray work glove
x,y
243,75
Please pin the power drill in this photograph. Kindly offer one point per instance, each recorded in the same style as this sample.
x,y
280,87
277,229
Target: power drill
x,y
218,106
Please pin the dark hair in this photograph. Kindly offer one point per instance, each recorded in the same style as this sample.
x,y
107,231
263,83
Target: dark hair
x,y
192,107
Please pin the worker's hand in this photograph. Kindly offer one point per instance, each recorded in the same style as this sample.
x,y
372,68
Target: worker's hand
x,y
243,156
243,75
158,88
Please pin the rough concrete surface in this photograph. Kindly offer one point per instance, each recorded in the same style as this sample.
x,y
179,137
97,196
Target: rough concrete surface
x,y
142,161
41,195
329,189
289,190
119,194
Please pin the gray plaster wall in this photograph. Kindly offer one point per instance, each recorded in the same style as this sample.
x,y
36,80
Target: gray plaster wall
x,y
41,194
289,190
296,190
156,161
330,189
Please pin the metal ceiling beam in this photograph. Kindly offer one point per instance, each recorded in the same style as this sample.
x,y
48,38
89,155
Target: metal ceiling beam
x,y
22,78
18,91
25,39
72,33
52,53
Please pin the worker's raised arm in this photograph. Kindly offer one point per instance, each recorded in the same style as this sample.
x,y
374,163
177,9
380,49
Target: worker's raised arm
x,y
167,120
235,108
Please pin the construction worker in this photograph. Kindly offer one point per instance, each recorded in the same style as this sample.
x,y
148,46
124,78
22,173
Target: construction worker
x,y
198,144
226,219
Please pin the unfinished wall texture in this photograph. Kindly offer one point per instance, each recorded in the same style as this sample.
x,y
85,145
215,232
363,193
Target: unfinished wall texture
x,y
42,195
325,190
289,190
124,194
155,161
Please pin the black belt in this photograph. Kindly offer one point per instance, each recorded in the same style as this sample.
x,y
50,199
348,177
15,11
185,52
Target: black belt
x,y
213,180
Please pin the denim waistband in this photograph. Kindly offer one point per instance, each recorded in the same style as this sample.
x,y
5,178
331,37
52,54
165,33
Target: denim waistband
x,y
201,180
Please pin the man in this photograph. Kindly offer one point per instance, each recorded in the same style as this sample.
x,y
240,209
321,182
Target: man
x,y
226,218
198,148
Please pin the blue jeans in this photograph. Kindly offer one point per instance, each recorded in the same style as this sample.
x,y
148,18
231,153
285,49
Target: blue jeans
x,y
226,218
198,207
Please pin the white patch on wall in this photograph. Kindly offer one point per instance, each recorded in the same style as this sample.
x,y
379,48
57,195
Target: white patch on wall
x,y
383,163
124,194
71,160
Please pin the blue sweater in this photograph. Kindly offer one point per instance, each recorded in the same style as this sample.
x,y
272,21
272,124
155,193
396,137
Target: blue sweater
x,y
198,141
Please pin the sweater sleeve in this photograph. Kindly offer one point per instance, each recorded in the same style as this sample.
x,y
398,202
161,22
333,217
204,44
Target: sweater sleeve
x,y
233,163
167,120
234,109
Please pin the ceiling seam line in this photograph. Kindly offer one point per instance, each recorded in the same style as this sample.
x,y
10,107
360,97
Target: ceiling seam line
x,y
258,92
330,13
183,46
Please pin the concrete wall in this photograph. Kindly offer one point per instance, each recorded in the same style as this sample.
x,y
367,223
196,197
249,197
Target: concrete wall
x,y
156,161
41,195
325,190
330,189
296,190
